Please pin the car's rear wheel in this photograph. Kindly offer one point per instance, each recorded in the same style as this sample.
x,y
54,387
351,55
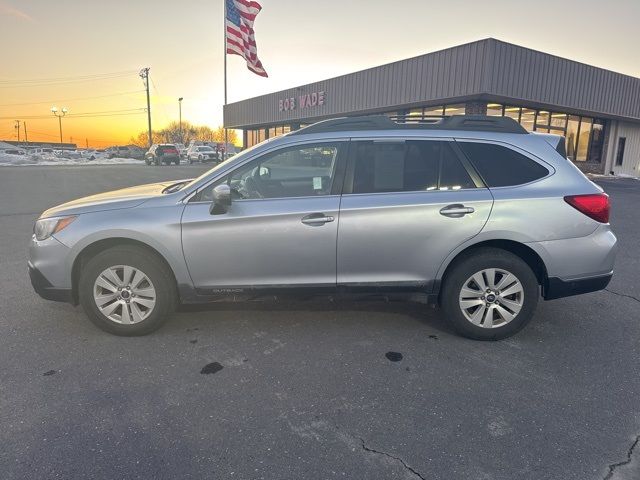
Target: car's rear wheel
x,y
127,291
489,294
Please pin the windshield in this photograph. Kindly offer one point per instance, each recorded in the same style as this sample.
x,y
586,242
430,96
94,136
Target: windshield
x,y
205,149
222,165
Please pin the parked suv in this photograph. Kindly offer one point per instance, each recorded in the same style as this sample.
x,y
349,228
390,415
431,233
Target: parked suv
x,y
202,153
473,213
162,154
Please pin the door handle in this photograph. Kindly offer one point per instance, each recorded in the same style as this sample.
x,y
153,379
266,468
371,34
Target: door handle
x,y
316,219
456,210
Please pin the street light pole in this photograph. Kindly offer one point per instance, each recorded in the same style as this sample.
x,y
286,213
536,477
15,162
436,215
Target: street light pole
x,y
180,110
59,114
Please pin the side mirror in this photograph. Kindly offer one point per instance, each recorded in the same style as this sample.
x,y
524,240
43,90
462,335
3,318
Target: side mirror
x,y
221,199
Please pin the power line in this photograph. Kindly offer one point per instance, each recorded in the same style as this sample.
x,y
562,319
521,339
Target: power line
x,y
71,99
121,72
43,83
109,115
129,111
164,107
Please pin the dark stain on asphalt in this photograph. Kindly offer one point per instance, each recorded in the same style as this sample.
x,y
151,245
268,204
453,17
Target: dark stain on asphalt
x,y
211,368
193,341
192,329
435,337
393,356
49,373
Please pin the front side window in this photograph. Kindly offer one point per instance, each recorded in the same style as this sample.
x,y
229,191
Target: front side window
x,y
300,171
500,166
409,166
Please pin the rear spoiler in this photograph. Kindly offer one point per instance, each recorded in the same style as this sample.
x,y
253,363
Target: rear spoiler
x,y
558,142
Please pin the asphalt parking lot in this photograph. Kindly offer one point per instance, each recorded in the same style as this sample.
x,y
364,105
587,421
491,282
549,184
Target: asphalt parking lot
x,y
297,390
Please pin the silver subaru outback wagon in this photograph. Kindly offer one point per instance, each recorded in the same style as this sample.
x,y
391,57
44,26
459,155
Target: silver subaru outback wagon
x,y
471,212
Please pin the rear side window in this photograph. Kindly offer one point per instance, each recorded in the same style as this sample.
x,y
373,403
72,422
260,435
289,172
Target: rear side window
x,y
500,166
409,166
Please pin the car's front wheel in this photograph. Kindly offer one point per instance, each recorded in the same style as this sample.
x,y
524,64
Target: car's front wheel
x,y
127,291
489,294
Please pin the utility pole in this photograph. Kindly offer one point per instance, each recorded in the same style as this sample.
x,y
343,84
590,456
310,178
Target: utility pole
x,y
144,74
24,124
59,114
17,127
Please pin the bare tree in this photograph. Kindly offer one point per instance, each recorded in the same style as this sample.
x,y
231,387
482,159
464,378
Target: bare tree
x,y
172,134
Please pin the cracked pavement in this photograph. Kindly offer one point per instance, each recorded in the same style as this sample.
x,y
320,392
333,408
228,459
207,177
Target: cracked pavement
x,y
304,390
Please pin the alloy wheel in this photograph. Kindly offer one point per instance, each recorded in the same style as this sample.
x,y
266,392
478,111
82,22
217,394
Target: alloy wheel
x,y
491,298
124,294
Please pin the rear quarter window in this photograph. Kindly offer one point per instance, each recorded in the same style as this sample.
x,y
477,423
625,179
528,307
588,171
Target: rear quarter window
x,y
501,166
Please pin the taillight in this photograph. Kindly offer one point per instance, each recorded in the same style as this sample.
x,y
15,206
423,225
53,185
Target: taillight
x,y
594,205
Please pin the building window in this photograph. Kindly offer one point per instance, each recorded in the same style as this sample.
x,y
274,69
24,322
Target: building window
x,y
495,109
583,139
622,141
572,136
527,119
454,109
434,111
513,112
596,142
558,122
542,121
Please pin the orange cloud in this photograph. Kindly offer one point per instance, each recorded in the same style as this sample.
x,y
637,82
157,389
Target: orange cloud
x,y
9,11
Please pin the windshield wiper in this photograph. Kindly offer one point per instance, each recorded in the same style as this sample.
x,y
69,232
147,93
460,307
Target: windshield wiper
x,y
174,187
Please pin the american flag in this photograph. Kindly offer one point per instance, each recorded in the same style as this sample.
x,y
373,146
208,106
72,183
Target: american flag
x,y
240,37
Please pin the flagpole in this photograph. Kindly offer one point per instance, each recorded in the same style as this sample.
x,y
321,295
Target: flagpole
x,y
224,43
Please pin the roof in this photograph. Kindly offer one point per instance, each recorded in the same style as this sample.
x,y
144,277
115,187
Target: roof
x,y
488,69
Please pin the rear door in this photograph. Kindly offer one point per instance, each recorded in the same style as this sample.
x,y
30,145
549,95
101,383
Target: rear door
x,y
407,204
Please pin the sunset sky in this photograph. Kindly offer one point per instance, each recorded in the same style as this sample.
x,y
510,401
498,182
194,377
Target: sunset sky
x,y
49,46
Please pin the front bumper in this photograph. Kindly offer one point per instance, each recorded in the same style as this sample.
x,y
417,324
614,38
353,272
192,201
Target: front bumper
x,y
558,288
43,287
48,269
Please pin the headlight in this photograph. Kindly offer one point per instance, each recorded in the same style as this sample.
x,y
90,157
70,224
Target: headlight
x,y
45,227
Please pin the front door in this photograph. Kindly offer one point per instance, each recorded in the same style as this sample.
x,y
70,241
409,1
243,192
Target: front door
x,y
407,205
281,227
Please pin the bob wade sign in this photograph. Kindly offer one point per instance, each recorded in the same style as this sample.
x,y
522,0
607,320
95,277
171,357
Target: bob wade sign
x,y
306,100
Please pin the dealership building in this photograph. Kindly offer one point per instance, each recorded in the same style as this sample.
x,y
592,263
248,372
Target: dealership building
x,y
596,110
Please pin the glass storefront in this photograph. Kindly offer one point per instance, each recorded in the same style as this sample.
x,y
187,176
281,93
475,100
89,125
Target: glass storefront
x,y
584,135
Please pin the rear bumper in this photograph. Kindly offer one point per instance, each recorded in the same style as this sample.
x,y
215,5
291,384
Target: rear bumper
x,y
558,288
45,289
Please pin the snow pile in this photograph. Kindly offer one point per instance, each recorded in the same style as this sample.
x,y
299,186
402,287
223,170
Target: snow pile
x,y
65,158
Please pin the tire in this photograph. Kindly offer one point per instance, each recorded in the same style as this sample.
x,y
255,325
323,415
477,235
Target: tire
x,y
177,162
487,314
190,162
147,310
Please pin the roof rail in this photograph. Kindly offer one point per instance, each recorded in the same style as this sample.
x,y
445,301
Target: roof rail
x,y
482,123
